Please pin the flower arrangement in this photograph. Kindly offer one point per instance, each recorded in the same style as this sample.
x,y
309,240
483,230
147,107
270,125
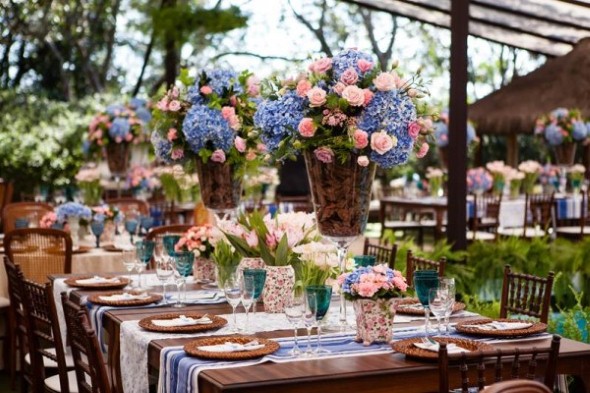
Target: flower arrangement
x,y
73,210
106,213
88,180
142,178
373,282
343,105
576,174
562,126
200,240
177,185
210,118
318,263
441,131
227,260
532,170
498,170
119,123
515,178
549,176
435,178
49,220
478,180
270,238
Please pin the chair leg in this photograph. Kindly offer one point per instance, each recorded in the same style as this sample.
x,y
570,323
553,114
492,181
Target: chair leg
x,y
10,349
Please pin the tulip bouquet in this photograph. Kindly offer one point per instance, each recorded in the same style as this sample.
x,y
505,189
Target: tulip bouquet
x,y
318,262
514,178
531,170
435,179
88,180
498,170
576,174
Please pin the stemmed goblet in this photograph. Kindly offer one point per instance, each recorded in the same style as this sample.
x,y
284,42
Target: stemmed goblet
x,y
424,280
294,313
259,278
144,249
310,312
97,228
323,295
248,291
184,266
438,304
131,225
449,284
128,258
233,295
164,268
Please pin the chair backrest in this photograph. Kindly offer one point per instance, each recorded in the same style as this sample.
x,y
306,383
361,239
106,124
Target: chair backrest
x,y
298,203
30,211
470,363
126,205
91,372
486,212
416,263
517,386
525,294
540,207
44,333
15,292
39,252
382,254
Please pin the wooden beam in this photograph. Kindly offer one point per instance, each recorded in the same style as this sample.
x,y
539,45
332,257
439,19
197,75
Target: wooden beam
x,y
512,150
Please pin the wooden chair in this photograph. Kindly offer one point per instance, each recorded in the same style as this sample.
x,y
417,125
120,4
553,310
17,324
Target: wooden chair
x,y
382,254
483,226
518,358
525,294
299,203
578,232
127,205
39,252
517,386
6,191
32,211
46,349
91,372
416,263
394,218
538,217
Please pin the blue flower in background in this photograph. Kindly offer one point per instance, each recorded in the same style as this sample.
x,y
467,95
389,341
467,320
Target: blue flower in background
x,y
162,147
560,113
73,209
143,114
136,103
580,131
219,80
553,134
204,127
348,59
120,127
279,119
115,109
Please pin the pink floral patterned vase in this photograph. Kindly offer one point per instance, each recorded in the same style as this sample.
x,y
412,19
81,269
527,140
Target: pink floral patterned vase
x,y
278,287
374,320
251,263
204,269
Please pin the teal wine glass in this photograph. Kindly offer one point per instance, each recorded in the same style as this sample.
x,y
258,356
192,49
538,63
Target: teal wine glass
x,y
259,278
323,296
424,281
146,223
144,250
169,243
131,227
97,228
364,260
184,267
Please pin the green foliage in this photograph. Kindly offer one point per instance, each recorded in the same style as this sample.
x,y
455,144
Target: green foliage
x,y
226,259
489,309
573,323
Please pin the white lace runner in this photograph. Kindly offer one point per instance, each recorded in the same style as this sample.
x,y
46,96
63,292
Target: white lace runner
x,y
60,286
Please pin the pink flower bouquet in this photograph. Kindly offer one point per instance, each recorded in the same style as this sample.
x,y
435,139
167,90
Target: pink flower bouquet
x,y
373,282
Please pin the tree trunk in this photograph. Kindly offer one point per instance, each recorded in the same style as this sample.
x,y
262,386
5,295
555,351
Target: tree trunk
x,y
146,59
172,55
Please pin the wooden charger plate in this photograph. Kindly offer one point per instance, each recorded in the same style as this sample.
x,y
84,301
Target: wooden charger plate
x,y
81,250
192,348
73,282
111,248
147,324
403,307
408,348
465,327
151,298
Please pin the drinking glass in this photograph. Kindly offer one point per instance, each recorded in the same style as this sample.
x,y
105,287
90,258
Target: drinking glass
x,y
97,228
131,226
323,295
438,304
294,313
364,260
310,311
233,295
184,266
424,280
164,271
259,277
128,258
449,284
169,243
146,223
248,290
144,250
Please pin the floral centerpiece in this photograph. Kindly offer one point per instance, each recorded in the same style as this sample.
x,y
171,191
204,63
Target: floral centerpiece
x,y
498,170
115,128
49,220
373,290
561,129
576,174
141,178
88,180
435,178
318,262
109,216
515,178
73,213
201,241
549,177
531,170
209,122
478,180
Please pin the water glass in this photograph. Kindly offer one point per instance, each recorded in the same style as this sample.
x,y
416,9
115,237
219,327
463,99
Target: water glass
x,y
169,243
424,280
364,260
233,295
449,284
128,258
248,291
438,299
184,266
97,228
310,312
144,249
294,313
164,271
131,225
323,296
259,277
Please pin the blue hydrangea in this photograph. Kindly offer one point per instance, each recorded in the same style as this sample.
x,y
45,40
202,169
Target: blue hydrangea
x,y
120,127
73,209
143,114
162,147
580,131
220,79
560,113
115,109
441,133
553,135
279,119
136,103
204,127
347,59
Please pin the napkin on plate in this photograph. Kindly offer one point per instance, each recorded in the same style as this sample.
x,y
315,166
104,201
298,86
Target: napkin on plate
x,y
497,325
414,306
124,296
182,320
201,295
98,280
232,347
434,347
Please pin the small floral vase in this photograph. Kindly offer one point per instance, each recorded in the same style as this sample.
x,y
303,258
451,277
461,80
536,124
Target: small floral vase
x,y
279,284
251,263
204,269
374,320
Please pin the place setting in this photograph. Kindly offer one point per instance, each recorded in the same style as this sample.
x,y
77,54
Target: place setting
x,y
186,322
231,347
98,282
501,327
123,299
427,348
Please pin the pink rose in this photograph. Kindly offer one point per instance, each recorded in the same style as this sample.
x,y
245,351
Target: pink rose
x,y
163,104
321,66
306,127
251,155
240,144
423,150
303,86
363,160
233,100
360,138
339,88
354,95
177,154
349,77
118,139
206,90
174,105
234,122
227,112
385,81
382,142
414,130
261,147
253,86
174,92
172,134
324,154
368,96
316,96
364,65
218,156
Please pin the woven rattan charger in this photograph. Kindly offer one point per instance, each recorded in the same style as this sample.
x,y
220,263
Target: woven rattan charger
x,y
216,323
192,348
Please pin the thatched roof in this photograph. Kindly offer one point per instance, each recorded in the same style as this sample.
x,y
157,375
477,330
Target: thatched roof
x,y
560,82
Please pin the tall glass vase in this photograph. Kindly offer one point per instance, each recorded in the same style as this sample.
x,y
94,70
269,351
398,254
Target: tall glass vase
x,y
341,194
221,187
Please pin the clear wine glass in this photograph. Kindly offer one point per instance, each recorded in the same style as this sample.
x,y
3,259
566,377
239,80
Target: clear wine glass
x,y
323,296
233,295
183,262
294,313
449,284
144,250
248,291
164,271
424,280
437,302
128,258
310,311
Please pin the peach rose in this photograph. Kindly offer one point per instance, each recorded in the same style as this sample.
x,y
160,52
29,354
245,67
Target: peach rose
x,y
316,96
414,130
303,86
227,112
364,65
321,66
324,154
354,95
368,96
306,127
423,150
385,81
251,155
349,77
206,90
360,138
218,156
172,134
339,88
412,93
240,144
382,142
363,160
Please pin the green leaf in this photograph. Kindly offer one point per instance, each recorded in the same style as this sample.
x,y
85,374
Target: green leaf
x,y
282,252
